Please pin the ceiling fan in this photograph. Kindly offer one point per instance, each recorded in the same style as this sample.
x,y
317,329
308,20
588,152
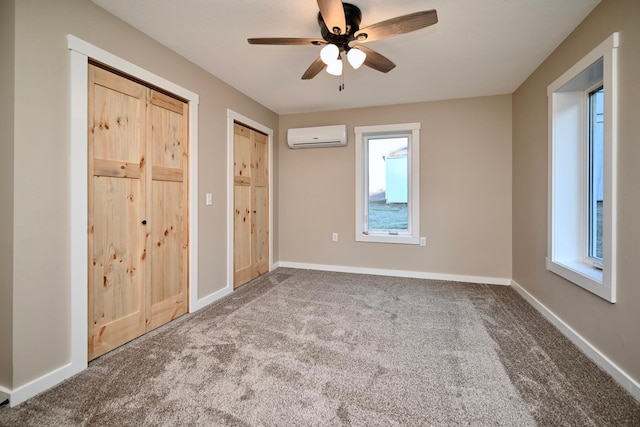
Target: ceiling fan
x,y
341,34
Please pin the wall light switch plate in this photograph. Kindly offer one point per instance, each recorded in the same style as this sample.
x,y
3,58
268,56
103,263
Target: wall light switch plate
x,y
335,237
423,241
209,199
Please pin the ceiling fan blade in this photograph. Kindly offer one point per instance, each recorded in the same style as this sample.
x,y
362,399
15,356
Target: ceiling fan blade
x,y
332,12
376,61
286,41
313,69
394,26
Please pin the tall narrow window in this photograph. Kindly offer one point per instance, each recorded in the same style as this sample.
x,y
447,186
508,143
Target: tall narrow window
x,y
387,183
582,172
596,175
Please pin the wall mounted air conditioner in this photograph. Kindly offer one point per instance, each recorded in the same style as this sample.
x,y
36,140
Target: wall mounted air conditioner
x,y
320,136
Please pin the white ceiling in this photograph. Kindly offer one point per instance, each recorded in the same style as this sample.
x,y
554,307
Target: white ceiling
x,y
478,47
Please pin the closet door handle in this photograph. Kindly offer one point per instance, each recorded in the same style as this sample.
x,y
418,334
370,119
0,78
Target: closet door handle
x,y
144,222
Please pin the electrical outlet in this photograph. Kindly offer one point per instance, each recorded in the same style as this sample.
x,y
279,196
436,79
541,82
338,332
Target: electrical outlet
x,y
335,237
423,241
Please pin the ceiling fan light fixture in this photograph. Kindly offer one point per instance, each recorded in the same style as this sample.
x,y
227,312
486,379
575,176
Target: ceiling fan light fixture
x,y
329,53
335,68
340,27
356,58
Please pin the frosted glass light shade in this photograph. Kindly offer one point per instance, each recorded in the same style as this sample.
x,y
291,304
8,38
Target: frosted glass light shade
x,y
356,58
335,68
329,53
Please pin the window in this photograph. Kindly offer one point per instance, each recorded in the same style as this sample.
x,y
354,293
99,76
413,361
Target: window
x,y
595,172
582,166
387,183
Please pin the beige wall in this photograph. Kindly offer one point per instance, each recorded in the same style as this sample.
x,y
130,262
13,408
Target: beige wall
x,y
41,222
7,10
612,328
465,190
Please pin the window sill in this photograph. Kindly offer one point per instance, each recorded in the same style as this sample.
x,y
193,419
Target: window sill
x,y
386,238
583,275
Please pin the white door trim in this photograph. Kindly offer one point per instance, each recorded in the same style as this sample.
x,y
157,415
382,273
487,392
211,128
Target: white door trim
x,y
233,117
80,52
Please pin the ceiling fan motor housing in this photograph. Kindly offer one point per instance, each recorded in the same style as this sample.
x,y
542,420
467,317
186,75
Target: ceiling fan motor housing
x,y
353,17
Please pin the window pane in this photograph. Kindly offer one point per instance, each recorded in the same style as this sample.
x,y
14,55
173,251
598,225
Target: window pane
x,y
596,171
388,180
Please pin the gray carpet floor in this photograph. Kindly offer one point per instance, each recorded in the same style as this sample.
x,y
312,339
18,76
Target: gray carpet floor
x,y
310,348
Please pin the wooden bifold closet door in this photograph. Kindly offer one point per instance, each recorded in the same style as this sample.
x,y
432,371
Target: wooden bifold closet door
x,y
251,204
138,209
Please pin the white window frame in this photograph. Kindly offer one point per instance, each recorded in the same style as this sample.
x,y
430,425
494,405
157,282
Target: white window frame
x,y
567,252
412,236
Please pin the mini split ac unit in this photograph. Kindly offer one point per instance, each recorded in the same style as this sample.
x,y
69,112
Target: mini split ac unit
x,y
321,136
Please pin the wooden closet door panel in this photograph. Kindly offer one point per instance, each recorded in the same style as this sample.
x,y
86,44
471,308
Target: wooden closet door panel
x,y
116,208
242,234
242,170
118,120
168,208
168,266
260,204
117,279
260,231
260,160
169,133
242,195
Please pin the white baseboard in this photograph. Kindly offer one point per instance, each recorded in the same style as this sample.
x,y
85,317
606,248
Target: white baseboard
x,y
37,386
397,273
592,352
203,302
